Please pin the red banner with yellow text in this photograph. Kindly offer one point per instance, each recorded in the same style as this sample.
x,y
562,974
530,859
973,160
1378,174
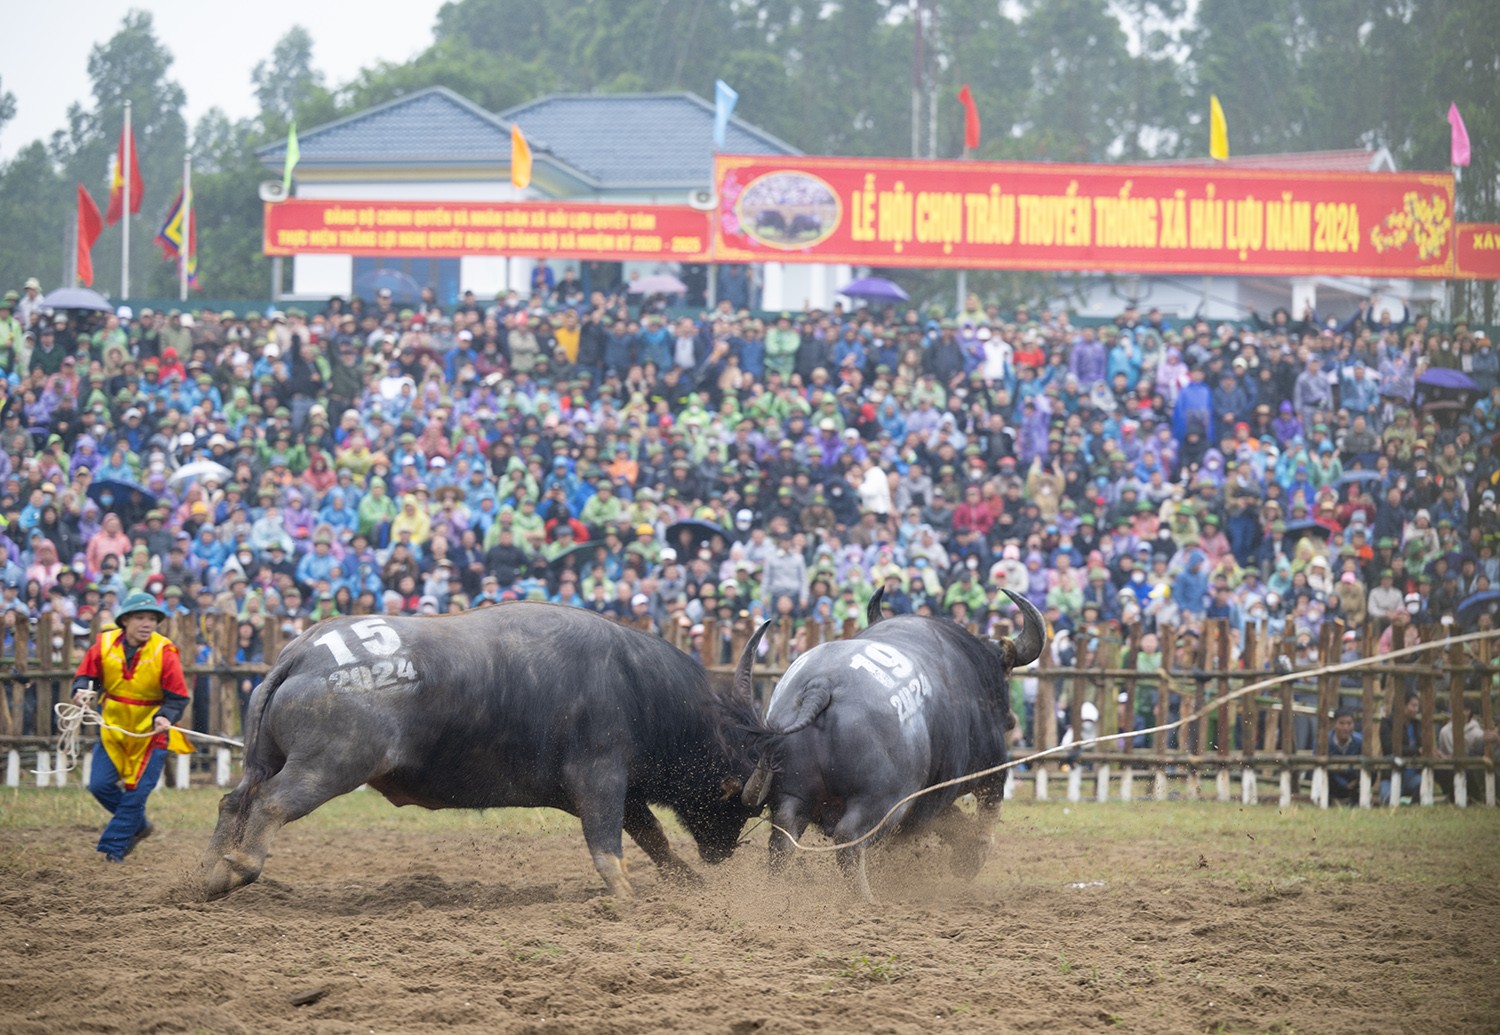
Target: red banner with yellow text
x,y
438,230
1040,216
1476,251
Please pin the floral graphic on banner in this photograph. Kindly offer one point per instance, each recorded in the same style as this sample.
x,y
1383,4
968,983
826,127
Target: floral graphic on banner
x,y
1427,223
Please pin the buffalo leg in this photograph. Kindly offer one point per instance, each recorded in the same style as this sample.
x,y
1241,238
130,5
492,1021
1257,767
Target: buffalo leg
x,y
601,808
855,823
645,830
852,863
237,851
970,838
790,817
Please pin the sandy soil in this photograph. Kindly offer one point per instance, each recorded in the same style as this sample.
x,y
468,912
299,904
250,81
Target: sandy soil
x,y
395,930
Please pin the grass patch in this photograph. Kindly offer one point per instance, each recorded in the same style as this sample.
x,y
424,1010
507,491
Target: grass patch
x,y
875,970
197,809
1260,848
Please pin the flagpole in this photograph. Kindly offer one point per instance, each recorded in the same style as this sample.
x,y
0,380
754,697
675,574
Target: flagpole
x,y
184,254
70,252
124,161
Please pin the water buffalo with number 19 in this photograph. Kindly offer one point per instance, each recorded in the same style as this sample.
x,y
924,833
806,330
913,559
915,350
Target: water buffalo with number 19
x,y
856,726
525,704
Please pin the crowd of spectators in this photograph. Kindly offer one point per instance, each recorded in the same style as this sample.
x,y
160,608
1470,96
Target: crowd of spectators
x,y
376,458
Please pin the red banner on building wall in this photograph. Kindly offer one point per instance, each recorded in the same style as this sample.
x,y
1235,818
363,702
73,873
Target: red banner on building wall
x,y
452,229
1476,251
1039,216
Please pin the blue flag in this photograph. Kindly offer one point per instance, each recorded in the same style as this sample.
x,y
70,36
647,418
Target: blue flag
x,y
724,98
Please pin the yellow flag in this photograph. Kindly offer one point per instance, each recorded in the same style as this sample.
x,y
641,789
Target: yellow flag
x,y
1218,131
520,159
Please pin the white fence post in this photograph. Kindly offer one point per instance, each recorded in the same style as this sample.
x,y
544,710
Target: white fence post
x,y
183,771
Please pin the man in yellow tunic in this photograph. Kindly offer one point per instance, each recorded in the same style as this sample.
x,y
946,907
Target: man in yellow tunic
x,y
139,676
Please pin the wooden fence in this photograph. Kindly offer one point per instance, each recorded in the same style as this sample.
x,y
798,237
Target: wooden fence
x,y
1269,741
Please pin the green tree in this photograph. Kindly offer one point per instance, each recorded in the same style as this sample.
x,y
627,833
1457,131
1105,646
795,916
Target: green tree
x,y
34,212
7,106
132,65
287,84
489,80
226,180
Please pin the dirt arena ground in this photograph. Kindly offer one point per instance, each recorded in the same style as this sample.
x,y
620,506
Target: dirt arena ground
x,y
1190,917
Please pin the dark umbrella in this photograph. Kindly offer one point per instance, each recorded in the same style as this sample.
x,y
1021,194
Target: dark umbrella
x,y
876,289
1296,530
1442,377
1472,607
572,557
77,298
701,532
404,289
127,499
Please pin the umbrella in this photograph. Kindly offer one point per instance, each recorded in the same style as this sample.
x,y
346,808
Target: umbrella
x,y
657,284
1296,530
701,531
127,499
404,288
1472,607
77,298
201,469
875,289
1442,377
573,557
1443,404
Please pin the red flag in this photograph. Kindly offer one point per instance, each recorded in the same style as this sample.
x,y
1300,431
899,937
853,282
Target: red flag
x,y
90,226
117,181
971,118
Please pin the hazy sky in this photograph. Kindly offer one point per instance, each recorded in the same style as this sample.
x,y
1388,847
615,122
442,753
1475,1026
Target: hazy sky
x,y
215,46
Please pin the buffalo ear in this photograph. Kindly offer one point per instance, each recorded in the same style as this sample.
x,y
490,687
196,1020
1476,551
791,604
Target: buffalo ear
x,y
731,786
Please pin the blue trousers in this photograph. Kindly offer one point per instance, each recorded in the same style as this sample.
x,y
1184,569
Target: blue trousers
x,y
127,807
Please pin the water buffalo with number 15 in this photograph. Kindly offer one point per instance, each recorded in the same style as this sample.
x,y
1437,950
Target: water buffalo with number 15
x,y
525,704
856,726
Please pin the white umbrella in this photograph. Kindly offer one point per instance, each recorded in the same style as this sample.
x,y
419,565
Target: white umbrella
x,y
657,284
201,469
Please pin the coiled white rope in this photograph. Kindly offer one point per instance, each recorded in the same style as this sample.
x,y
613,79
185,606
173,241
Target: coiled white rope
x,y
71,718
1343,666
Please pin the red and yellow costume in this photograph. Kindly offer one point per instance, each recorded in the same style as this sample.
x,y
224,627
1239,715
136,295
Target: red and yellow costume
x,y
132,692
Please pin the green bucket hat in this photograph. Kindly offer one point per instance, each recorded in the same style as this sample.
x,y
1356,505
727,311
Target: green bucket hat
x,y
139,603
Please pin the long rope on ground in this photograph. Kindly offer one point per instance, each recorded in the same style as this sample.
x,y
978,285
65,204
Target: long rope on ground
x,y
71,718
1325,670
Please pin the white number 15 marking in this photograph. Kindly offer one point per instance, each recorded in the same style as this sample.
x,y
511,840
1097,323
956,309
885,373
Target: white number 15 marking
x,y
374,635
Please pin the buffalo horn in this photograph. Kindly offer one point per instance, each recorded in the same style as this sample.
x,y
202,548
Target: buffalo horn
x,y
743,683
872,609
759,788
1033,637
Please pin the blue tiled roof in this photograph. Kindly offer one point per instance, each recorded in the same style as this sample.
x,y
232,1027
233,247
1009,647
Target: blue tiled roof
x,y
638,140
431,127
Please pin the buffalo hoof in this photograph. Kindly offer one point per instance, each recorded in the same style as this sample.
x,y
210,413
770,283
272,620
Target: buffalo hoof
x,y
683,875
227,873
968,859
